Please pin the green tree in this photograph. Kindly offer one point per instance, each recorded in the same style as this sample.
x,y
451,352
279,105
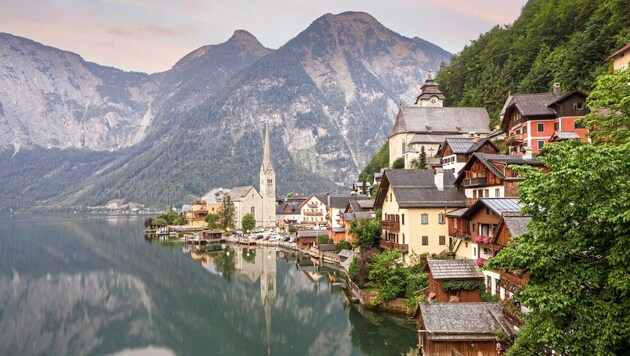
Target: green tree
x,y
227,214
212,220
421,161
399,163
609,119
378,162
576,250
248,223
367,233
388,275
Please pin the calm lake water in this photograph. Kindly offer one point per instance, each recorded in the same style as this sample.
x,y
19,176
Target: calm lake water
x,y
93,285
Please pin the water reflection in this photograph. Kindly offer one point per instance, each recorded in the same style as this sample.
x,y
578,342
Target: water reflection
x,y
80,285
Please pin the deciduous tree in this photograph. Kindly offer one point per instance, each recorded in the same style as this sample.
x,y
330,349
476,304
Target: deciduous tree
x,y
227,213
248,223
577,252
367,233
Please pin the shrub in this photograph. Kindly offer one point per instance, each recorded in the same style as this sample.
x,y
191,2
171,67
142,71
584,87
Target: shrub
x,y
342,245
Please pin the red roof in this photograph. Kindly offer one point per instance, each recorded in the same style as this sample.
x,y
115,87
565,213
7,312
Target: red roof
x,y
626,47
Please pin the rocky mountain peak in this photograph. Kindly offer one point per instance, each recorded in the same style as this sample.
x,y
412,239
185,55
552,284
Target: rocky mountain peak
x,y
245,38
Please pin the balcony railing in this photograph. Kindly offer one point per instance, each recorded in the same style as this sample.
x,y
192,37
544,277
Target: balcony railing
x,y
390,225
514,140
313,213
389,245
474,182
513,279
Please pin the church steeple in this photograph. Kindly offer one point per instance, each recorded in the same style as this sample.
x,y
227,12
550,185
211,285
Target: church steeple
x,y
430,95
268,185
266,162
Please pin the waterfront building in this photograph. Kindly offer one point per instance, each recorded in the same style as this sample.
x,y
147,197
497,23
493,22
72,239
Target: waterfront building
x,y
334,217
267,185
414,204
313,211
246,200
443,272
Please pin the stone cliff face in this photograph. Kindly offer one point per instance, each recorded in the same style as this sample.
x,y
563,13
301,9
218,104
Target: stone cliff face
x,y
50,97
330,96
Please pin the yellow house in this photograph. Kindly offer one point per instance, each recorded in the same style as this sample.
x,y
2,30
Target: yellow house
x,y
196,214
621,58
414,205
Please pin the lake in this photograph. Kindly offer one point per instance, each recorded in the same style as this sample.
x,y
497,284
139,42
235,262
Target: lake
x,y
92,284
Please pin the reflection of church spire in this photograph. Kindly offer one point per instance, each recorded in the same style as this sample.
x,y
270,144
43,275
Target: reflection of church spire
x,y
268,290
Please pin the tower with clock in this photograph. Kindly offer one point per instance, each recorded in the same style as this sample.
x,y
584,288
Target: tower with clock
x,y
430,95
268,185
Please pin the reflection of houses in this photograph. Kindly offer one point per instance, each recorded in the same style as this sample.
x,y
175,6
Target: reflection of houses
x,y
454,280
313,211
489,175
461,328
414,204
532,119
427,124
456,151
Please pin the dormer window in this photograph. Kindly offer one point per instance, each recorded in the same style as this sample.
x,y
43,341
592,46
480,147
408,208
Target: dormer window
x,y
579,105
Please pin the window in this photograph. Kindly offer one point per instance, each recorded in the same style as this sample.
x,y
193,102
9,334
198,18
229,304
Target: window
x,y
442,240
487,211
541,127
488,281
403,219
484,229
541,143
474,194
440,218
269,181
578,125
424,219
474,251
578,105
253,211
486,251
390,197
497,192
487,193
425,240
556,126
524,130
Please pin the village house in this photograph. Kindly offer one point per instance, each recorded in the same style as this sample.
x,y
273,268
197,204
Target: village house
x,y
313,211
532,119
196,214
356,209
456,151
414,204
427,124
334,217
489,175
288,213
454,281
621,58
462,329
308,238
214,199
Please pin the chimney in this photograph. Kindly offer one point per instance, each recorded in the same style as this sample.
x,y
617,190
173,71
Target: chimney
x,y
477,139
438,176
527,154
556,89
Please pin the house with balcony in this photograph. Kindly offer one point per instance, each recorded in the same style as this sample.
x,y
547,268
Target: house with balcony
x,y
195,216
454,280
487,175
288,213
313,211
532,119
356,209
414,204
335,209
454,152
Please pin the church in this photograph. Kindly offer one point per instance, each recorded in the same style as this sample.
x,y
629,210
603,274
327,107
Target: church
x,y
268,185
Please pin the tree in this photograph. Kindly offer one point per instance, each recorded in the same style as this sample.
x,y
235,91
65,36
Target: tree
x,y
248,223
576,250
399,163
367,233
212,220
421,161
227,213
609,119
388,275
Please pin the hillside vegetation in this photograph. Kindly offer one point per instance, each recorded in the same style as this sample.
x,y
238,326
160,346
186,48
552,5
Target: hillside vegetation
x,y
563,41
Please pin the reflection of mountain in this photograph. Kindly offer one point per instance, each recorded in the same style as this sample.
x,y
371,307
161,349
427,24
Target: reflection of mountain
x,y
185,308
83,304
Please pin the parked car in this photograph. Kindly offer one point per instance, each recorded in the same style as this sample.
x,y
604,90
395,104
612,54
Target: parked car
x,y
266,238
259,237
286,239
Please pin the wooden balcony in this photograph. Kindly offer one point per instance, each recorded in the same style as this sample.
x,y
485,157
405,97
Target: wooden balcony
x,y
513,279
390,225
314,213
514,140
389,245
474,182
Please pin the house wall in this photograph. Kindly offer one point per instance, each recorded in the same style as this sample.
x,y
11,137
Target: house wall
x,y
396,144
621,60
413,229
463,296
244,206
313,212
483,215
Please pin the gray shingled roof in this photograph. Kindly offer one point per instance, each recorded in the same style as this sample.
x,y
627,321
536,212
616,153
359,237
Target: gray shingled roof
x,y
237,193
517,225
535,104
312,233
415,188
454,269
464,321
341,201
456,213
366,203
499,206
440,120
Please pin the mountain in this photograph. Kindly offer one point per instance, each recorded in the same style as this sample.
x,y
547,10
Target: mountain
x,y
330,96
560,41
50,97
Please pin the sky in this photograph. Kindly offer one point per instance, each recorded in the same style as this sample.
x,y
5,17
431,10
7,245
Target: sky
x,y
151,35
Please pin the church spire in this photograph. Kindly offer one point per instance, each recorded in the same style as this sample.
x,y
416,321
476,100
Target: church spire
x,y
266,163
